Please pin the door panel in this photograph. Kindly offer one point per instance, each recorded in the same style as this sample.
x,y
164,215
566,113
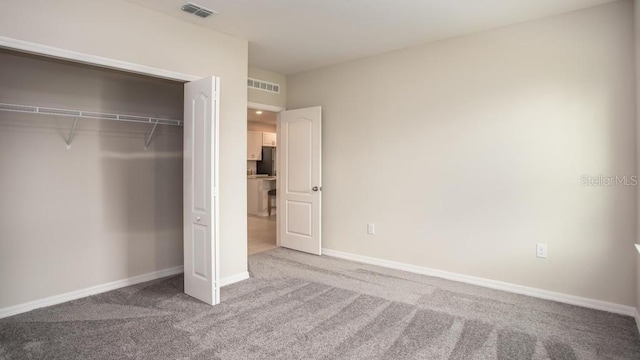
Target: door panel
x,y
299,155
200,150
201,275
200,251
300,222
299,190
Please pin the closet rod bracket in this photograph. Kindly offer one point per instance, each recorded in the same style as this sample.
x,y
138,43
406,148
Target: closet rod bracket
x,y
148,139
72,133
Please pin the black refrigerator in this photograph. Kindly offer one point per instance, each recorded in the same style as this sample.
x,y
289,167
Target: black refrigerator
x,y
268,163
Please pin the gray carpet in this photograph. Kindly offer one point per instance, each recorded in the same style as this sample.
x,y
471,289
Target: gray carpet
x,y
299,306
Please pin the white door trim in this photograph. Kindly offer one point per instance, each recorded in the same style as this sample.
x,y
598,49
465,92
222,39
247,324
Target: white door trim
x,y
74,56
264,107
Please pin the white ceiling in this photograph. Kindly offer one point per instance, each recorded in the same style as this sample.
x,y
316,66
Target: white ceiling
x,y
266,117
289,36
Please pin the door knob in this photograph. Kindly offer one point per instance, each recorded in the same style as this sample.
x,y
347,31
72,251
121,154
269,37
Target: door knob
x,y
198,218
315,188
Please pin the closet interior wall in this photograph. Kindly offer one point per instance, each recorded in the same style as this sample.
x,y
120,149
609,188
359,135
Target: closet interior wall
x,y
104,210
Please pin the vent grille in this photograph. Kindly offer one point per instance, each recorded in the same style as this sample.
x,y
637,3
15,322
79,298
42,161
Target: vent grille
x,y
263,86
197,10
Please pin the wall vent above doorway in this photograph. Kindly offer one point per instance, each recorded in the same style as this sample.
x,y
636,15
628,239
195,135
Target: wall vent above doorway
x,y
263,86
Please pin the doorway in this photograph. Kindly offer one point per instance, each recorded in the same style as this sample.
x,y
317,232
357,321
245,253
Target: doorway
x,y
262,177
284,198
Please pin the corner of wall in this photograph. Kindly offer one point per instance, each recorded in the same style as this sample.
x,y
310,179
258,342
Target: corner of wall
x,y
636,33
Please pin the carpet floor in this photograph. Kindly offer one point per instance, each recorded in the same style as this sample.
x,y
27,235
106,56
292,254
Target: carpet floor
x,y
298,306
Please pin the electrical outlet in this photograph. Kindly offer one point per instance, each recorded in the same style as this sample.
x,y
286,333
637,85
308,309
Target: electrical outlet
x,y
541,250
371,229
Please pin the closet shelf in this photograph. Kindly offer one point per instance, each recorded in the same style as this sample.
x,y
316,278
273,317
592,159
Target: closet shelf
x,y
87,114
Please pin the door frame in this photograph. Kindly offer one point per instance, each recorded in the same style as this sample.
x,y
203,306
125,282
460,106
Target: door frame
x,y
276,109
78,57
103,62
265,107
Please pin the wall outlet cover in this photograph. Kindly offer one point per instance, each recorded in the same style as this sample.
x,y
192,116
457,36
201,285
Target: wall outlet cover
x,y
371,229
541,250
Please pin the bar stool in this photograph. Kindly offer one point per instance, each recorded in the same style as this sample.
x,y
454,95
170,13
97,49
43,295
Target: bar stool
x,y
272,194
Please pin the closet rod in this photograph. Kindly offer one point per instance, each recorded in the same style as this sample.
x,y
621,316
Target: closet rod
x,y
87,114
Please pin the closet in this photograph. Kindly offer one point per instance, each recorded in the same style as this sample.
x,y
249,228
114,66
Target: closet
x,y
91,176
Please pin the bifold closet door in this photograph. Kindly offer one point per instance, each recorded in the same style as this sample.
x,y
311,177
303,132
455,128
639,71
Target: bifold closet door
x,y
201,275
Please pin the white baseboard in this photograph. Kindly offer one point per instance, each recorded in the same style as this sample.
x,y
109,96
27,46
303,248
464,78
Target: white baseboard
x,y
492,284
234,279
98,289
93,290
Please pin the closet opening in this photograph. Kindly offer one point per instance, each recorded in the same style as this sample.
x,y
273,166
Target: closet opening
x,y
91,167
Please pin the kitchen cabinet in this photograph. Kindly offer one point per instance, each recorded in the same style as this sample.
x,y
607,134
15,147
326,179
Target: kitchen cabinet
x,y
258,194
254,145
269,139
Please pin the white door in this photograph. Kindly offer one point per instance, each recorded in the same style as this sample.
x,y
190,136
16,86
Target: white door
x,y
201,275
299,179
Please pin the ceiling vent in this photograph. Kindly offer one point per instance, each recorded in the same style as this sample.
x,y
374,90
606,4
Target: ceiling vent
x,y
197,10
263,85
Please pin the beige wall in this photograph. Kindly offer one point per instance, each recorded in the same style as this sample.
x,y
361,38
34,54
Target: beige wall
x,y
261,127
467,152
101,211
124,31
263,97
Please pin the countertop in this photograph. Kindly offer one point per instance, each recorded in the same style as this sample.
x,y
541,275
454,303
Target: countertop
x,y
260,177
